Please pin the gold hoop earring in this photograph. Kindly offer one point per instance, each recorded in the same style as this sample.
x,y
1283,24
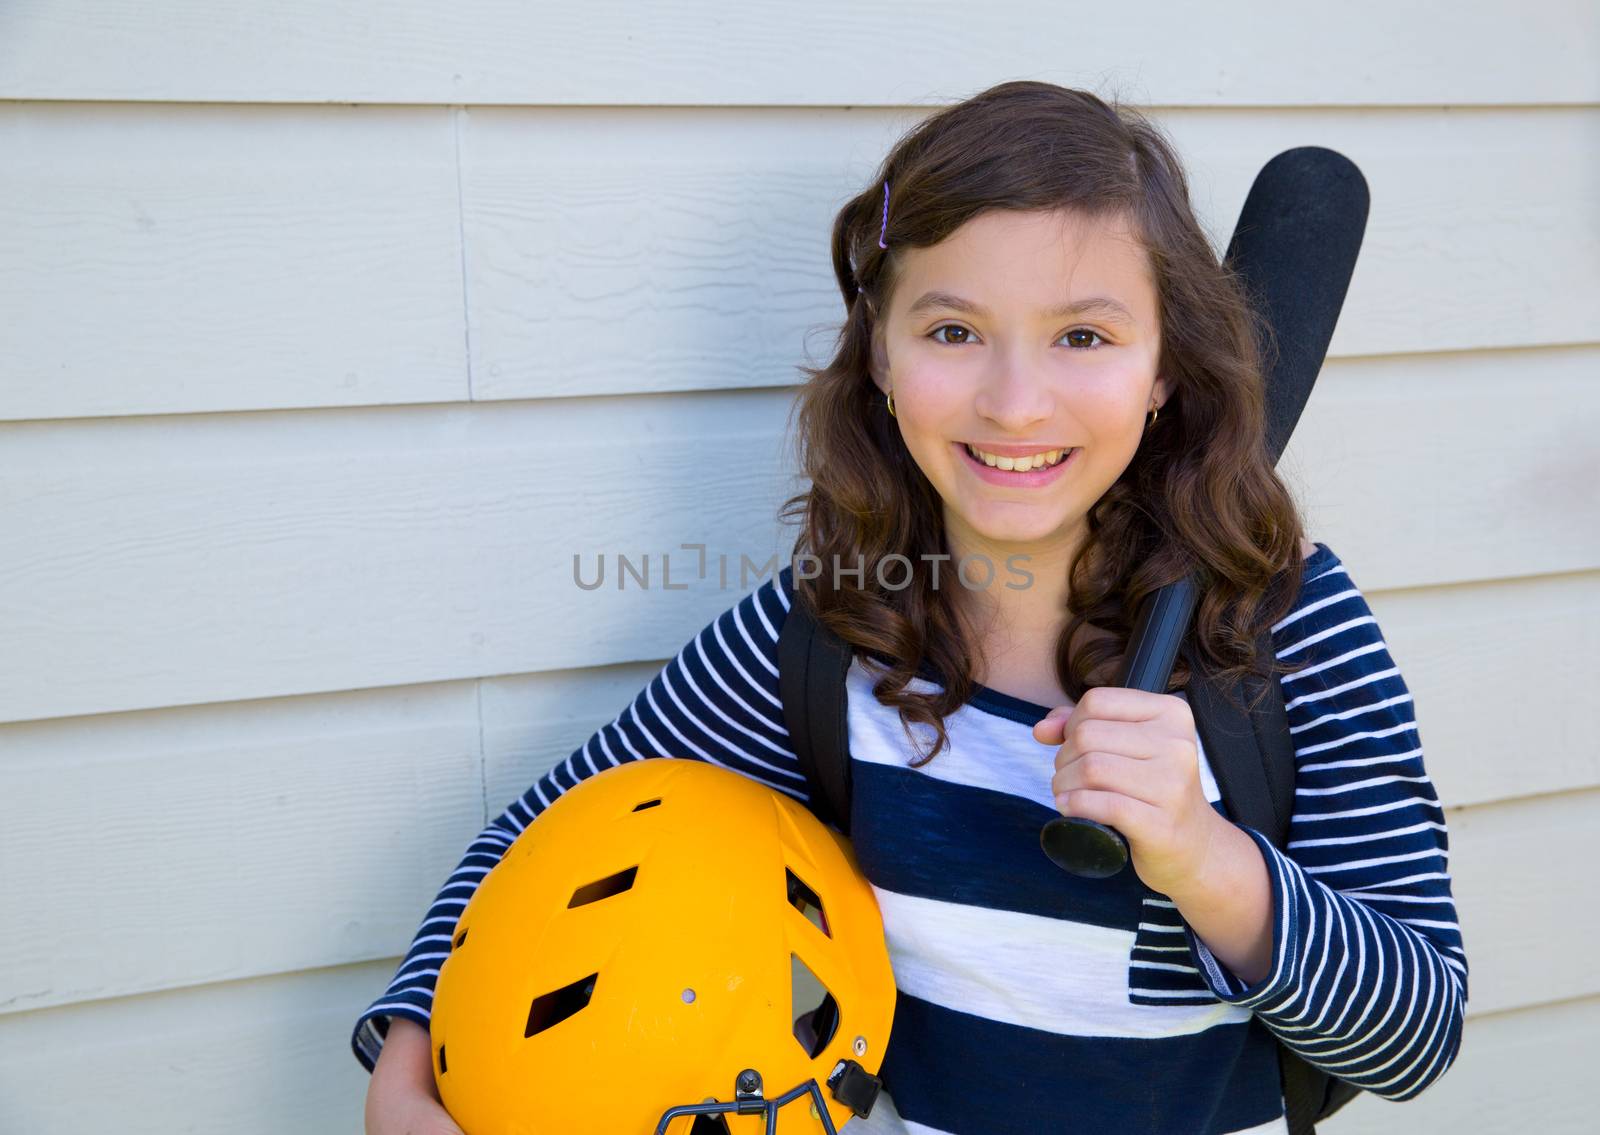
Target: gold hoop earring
x,y
1154,410
891,403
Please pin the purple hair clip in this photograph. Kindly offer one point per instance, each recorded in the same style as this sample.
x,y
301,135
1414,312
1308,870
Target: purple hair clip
x,y
884,231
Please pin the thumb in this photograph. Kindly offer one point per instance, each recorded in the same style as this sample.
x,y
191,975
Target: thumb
x,y
1051,728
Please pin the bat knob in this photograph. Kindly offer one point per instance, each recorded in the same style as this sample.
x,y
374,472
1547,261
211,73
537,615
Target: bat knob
x,y
1084,847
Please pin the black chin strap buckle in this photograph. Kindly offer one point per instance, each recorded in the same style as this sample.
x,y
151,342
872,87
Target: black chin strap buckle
x,y
855,1087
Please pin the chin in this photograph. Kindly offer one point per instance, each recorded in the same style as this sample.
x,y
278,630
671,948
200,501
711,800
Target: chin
x,y
1002,533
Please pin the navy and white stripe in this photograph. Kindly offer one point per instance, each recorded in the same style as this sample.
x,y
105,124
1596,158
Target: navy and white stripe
x,y
1027,995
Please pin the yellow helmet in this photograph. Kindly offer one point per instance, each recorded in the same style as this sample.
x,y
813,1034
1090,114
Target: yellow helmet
x,y
638,961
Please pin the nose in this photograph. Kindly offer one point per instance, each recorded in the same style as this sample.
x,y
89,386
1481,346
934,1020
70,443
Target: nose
x,y
1014,396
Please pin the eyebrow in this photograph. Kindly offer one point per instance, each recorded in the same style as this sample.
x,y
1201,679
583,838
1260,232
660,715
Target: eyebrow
x,y
1103,306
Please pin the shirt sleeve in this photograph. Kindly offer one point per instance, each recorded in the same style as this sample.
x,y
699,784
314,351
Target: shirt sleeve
x,y
1369,977
716,701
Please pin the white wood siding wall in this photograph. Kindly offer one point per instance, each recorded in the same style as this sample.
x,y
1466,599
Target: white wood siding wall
x,y
332,332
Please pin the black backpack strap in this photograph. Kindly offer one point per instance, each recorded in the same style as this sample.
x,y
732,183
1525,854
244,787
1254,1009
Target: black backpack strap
x,y
1250,753
1310,1094
812,662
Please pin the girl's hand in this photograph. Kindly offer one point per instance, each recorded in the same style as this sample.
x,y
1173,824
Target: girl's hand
x,y
1128,759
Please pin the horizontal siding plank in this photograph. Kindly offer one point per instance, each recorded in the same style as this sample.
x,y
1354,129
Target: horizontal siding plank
x,y
702,260
261,1057
1499,673
1520,870
1228,53
198,558
1480,221
613,251
697,261
155,850
1427,470
196,258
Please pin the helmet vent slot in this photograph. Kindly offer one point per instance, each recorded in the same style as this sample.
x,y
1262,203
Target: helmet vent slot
x,y
709,1125
805,900
647,804
460,938
553,1008
603,888
815,1026
441,1060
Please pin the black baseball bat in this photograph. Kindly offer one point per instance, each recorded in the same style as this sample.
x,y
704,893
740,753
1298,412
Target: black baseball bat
x,y
1295,248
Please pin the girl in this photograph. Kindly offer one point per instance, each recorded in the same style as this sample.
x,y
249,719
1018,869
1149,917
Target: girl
x,y
1046,402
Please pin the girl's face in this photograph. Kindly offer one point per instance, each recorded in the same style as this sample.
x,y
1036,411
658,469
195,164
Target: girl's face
x,y
979,350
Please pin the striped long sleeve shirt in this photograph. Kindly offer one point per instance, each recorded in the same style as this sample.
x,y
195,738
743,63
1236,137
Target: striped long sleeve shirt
x,y
1028,997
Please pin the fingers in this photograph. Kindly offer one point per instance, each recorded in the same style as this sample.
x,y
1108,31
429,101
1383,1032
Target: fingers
x,y
1132,739
1125,813
1108,772
1117,703
1110,703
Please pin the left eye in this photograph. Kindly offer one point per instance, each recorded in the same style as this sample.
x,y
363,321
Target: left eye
x,y
1086,331
960,342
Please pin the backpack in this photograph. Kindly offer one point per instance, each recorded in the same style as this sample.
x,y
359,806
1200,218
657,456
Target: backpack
x,y
1250,755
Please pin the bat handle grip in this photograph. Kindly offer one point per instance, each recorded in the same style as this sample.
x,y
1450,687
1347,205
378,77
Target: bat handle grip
x,y
1078,844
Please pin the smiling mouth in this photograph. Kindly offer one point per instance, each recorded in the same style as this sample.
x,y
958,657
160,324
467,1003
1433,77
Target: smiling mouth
x,y
1048,459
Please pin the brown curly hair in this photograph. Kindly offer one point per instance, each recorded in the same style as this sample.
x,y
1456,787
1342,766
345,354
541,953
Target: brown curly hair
x,y
1199,496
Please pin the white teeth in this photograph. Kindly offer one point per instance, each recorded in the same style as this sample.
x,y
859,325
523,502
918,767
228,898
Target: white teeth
x,y
1020,464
